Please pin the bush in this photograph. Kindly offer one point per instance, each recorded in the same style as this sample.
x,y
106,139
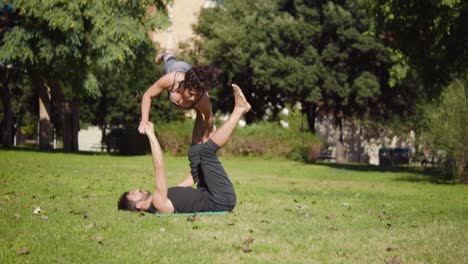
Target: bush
x,y
446,128
127,141
175,137
260,139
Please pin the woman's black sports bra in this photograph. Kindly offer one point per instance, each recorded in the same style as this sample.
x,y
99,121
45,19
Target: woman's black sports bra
x,y
172,90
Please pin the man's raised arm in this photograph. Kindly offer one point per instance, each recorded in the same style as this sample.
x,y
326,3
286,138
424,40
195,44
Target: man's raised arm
x,y
160,200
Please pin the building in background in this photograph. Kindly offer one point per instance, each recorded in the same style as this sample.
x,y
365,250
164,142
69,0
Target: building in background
x,y
183,14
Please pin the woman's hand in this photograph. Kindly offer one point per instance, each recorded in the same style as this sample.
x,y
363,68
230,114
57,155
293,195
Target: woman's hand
x,y
148,128
142,127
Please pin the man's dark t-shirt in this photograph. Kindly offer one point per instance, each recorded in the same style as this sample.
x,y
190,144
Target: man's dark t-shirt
x,y
188,199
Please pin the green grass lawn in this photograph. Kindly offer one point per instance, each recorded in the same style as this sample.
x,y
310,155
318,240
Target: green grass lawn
x,y
287,212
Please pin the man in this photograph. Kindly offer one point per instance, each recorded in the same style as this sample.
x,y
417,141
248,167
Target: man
x,y
214,193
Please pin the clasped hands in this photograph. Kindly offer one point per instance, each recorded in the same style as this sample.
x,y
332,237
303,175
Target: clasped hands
x,y
146,127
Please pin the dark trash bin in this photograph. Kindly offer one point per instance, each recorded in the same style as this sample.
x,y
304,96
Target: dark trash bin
x,y
394,156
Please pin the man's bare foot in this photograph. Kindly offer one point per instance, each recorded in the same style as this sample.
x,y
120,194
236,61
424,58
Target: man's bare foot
x,y
241,103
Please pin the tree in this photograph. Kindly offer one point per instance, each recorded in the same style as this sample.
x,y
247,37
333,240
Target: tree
x,y
64,46
446,127
8,19
323,54
432,34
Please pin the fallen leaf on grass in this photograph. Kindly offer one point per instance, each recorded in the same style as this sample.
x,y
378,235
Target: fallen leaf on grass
x,y
89,196
232,222
347,205
194,217
384,216
98,239
393,260
301,207
245,246
90,226
37,210
85,214
330,216
23,251
248,241
390,248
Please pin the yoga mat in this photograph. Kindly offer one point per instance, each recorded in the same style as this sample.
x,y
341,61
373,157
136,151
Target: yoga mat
x,y
191,214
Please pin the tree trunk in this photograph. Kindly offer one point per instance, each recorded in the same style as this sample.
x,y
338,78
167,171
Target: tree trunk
x,y
45,126
354,142
309,110
340,157
64,120
103,138
75,118
7,122
68,117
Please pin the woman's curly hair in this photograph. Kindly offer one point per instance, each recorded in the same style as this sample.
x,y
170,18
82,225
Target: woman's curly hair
x,y
201,78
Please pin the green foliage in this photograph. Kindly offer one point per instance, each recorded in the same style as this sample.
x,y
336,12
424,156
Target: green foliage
x,y
259,139
54,36
431,34
315,53
446,127
97,51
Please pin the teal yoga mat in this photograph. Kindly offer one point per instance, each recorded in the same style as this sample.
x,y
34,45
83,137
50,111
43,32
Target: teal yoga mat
x,y
191,214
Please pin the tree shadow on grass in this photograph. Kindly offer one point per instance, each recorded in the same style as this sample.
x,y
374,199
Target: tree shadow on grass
x,y
410,174
60,151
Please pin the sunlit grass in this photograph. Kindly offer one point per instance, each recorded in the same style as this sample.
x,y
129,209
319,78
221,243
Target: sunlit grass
x,y
287,212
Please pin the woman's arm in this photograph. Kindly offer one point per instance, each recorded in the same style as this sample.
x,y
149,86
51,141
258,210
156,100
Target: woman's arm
x,y
159,86
160,200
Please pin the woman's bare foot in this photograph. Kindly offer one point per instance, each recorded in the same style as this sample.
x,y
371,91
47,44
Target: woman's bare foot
x,y
241,103
159,57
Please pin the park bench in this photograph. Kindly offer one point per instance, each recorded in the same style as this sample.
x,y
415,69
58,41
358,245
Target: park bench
x,y
326,155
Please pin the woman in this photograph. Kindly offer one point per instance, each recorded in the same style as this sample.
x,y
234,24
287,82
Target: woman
x,y
187,88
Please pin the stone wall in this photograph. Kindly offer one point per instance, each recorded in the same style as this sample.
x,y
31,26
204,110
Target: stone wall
x,y
358,147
